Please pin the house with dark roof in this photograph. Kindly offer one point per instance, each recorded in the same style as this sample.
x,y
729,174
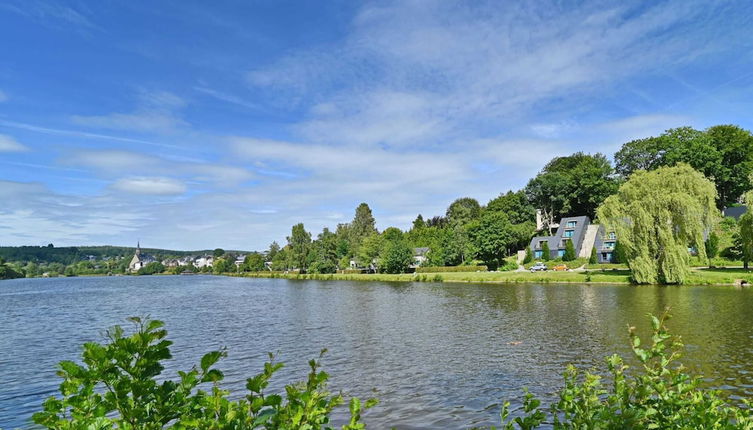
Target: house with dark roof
x,y
735,211
584,236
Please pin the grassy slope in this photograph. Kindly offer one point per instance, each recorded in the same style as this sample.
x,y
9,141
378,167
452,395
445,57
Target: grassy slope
x,y
698,277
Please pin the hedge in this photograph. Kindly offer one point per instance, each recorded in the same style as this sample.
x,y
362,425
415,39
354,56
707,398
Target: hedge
x,y
439,269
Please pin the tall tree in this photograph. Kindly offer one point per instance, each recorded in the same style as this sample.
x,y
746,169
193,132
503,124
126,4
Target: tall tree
x,y
723,153
571,186
299,243
735,147
363,222
515,205
395,256
462,211
492,236
274,248
657,215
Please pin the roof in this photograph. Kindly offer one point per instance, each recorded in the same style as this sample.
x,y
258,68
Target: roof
x,y
421,251
735,212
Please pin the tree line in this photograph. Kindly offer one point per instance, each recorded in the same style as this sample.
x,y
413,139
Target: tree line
x,y
573,185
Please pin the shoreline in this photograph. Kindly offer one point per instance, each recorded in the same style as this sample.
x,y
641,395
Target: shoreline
x,y
698,276
710,277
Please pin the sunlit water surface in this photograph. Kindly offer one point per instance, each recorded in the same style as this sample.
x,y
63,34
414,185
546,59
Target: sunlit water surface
x,y
436,355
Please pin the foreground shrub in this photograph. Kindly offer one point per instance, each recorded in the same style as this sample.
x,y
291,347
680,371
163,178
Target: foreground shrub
x,y
440,269
115,388
660,395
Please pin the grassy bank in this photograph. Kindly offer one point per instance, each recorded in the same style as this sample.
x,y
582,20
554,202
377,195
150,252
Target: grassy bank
x,y
610,277
697,277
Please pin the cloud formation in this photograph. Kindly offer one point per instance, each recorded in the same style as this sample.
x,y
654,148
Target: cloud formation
x,y
9,144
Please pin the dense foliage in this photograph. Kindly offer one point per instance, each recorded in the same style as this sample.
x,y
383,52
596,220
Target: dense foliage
x,y
723,153
659,394
572,186
119,386
659,214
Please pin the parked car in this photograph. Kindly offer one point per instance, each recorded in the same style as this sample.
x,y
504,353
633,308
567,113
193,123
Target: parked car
x,y
560,268
538,267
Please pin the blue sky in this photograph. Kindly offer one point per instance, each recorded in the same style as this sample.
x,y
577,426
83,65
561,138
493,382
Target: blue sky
x,y
193,124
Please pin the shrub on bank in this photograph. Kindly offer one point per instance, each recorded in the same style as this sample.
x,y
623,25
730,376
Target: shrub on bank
x,y
440,269
660,395
117,387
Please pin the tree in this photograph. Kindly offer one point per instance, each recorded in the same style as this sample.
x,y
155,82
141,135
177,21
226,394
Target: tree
x,y
370,249
515,205
712,245
299,244
418,223
745,235
723,153
571,186
735,147
593,259
396,256
253,262
324,255
281,260
274,248
569,254
492,236
222,265
529,256
546,254
150,269
362,226
657,215
640,154
462,211
218,252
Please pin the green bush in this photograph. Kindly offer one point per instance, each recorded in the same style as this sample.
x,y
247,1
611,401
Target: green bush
x,y
659,396
529,256
117,388
593,259
569,251
440,269
508,266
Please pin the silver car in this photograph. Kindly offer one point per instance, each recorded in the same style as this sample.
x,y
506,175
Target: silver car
x,y
538,267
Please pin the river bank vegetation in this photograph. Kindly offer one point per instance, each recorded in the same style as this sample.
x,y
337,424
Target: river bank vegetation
x,y
662,195
119,385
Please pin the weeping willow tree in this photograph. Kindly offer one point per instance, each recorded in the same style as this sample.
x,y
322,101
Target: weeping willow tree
x,y
657,215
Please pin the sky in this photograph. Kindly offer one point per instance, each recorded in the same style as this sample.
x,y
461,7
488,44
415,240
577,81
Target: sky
x,y
195,125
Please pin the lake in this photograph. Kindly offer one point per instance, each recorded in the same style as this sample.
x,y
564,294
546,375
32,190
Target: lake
x,y
436,355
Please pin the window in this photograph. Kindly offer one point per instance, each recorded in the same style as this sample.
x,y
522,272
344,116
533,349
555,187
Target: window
x,y
560,252
609,245
537,254
571,224
606,256
568,233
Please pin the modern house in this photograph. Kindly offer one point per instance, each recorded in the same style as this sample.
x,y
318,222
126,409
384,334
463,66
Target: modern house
x,y
584,236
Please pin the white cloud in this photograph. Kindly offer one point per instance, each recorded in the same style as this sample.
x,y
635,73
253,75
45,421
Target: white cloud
x,y
9,144
155,113
3,96
113,161
150,185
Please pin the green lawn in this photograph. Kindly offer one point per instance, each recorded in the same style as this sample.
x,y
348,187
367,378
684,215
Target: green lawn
x,y
603,276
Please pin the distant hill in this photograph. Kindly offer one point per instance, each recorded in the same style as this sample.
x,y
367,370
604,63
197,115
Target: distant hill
x,y
71,254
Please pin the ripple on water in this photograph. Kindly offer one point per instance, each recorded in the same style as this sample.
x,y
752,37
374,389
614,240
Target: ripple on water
x,y
437,355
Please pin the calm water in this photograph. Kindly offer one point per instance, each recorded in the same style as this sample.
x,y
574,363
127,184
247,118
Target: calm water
x,y
437,355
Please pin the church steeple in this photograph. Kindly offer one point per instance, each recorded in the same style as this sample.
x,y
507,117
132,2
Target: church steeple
x,y
138,248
